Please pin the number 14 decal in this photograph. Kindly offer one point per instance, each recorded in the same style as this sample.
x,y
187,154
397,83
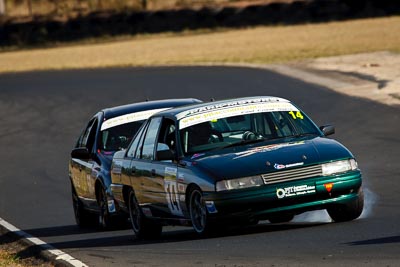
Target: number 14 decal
x,y
296,115
172,196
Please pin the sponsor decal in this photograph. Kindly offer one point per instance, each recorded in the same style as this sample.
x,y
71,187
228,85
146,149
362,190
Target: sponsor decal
x,y
267,148
279,166
181,177
170,173
211,207
131,117
228,104
111,206
231,109
294,191
282,166
197,155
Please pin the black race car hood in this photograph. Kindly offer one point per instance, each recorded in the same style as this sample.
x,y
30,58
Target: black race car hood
x,y
266,157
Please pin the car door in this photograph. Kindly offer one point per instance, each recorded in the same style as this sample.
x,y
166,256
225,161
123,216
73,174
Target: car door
x,y
83,180
92,167
79,165
75,166
159,184
150,185
132,166
167,171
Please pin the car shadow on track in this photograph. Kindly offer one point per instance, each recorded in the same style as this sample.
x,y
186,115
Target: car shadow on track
x,y
376,241
73,237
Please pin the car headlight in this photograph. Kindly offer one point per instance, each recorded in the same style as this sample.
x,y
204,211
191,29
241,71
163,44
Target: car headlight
x,y
239,183
339,166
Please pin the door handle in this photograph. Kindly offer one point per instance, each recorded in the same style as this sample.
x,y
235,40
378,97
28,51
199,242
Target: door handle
x,y
153,172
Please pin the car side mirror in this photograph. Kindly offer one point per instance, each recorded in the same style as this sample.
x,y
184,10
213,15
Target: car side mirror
x,y
80,153
165,155
327,129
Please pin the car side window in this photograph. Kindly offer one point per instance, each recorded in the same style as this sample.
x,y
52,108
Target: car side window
x,y
89,135
133,148
150,139
167,136
83,137
92,136
79,142
138,152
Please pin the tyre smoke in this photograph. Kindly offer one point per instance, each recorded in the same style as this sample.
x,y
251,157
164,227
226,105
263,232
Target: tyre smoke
x,y
322,216
313,217
370,200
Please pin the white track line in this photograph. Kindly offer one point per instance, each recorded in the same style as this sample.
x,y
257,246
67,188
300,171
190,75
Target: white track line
x,y
59,255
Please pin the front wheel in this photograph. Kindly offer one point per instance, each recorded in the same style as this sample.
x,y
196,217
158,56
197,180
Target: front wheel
x,y
105,219
349,211
198,212
143,227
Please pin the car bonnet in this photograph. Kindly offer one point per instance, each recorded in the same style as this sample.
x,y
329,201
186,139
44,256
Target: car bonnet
x,y
267,157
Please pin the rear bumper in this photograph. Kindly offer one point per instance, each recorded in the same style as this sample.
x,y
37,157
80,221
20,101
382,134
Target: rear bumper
x,y
261,202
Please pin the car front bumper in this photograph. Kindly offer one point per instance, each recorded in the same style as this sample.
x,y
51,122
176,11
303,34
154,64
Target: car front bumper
x,y
290,197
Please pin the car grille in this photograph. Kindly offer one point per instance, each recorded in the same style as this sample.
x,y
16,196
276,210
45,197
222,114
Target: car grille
x,y
293,174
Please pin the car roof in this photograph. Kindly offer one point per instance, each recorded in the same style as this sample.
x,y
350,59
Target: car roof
x,y
148,105
221,103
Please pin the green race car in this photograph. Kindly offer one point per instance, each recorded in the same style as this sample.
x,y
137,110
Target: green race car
x,y
233,161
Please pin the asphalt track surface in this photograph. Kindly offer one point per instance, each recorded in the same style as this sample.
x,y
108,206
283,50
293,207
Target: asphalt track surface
x,y
42,113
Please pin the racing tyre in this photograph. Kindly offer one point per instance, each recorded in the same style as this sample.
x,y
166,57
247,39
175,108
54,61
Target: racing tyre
x,y
347,212
83,218
143,227
198,213
105,220
282,218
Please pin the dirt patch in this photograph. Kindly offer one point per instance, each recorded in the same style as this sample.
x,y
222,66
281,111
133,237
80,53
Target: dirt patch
x,y
375,76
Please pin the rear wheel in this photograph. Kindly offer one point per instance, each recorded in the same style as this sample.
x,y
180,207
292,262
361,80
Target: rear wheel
x,y
349,211
83,218
143,227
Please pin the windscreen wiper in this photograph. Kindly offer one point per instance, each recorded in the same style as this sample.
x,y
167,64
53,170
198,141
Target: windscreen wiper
x,y
243,142
302,135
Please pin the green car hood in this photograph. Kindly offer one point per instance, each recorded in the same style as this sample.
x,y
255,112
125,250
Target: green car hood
x,y
267,157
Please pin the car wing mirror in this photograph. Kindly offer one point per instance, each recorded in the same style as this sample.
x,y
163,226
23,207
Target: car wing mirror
x,y
165,155
327,129
80,153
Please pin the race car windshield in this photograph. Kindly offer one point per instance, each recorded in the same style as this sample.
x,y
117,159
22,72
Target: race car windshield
x,y
246,129
118,137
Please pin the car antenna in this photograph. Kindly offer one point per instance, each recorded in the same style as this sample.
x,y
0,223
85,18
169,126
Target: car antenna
x,y
212,99
147,99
